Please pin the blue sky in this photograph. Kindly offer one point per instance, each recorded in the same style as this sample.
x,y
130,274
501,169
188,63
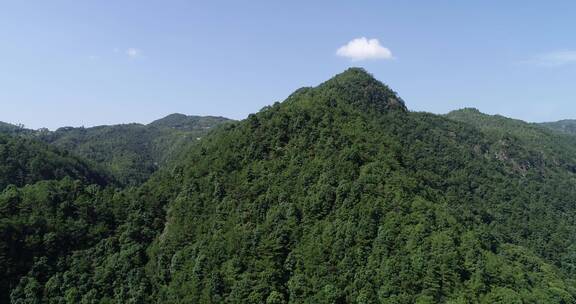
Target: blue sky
x,y
103,62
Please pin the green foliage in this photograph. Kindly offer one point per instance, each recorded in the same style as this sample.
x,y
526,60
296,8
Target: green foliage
x,y
337,195
524,146
567,126
188,123
333,197
26,161
132,152
41,224
7,128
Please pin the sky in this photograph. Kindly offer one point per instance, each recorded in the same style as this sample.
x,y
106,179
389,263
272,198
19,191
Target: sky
x,y
86,63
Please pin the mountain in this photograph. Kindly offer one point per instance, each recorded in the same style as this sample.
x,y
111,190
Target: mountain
x,y
10,129
339,194
132,152
129,152
62,196
537,146
25,161
566,126
188,122
44,207
6,127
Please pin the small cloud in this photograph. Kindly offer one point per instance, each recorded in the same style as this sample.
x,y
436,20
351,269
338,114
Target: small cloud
x,y
93,57
363,48
134,53
555,59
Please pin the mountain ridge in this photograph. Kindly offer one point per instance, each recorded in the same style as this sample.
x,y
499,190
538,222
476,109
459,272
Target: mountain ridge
x,y
325,166
567,126
131,152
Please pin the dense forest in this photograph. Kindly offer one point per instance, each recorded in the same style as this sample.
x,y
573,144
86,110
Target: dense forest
x,y
132,152
24,161
129,152
339,194
566,126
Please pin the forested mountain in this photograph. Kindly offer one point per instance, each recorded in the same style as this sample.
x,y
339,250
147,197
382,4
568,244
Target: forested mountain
x,y
7,128
130,152
339,194
25,161
44,210
188,122
58,201
500,123
534,146
566,126
133,151
10,129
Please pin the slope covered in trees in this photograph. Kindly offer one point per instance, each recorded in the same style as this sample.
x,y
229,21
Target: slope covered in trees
x,y
7,128
59,202
129,152
337,195
566,126
25,161
340,195
188,122
49,205
522,144
43,223
132,152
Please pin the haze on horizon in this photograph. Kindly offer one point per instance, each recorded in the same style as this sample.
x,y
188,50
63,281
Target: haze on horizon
x,y
68,63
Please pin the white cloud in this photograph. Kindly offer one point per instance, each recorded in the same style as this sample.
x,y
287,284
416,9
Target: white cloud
x,y
134,53
555,59
363,48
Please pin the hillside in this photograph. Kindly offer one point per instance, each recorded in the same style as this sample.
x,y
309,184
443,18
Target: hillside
x,y
10,129
339,194
45,212
57,193
132,152
25,161
129,152
537,146
566,126
188,122
7,128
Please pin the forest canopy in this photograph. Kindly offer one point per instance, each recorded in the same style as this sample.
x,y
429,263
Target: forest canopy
x,y
339,194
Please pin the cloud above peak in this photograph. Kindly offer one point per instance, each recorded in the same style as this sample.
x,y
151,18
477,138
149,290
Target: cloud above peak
x,y
363,49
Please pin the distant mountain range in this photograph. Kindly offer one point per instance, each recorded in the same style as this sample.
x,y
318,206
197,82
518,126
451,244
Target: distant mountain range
x,y
566,126
130,152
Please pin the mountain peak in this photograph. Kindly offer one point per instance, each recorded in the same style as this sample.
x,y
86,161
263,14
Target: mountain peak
x,y
354,72
188,122
357,86
353,76
464,112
